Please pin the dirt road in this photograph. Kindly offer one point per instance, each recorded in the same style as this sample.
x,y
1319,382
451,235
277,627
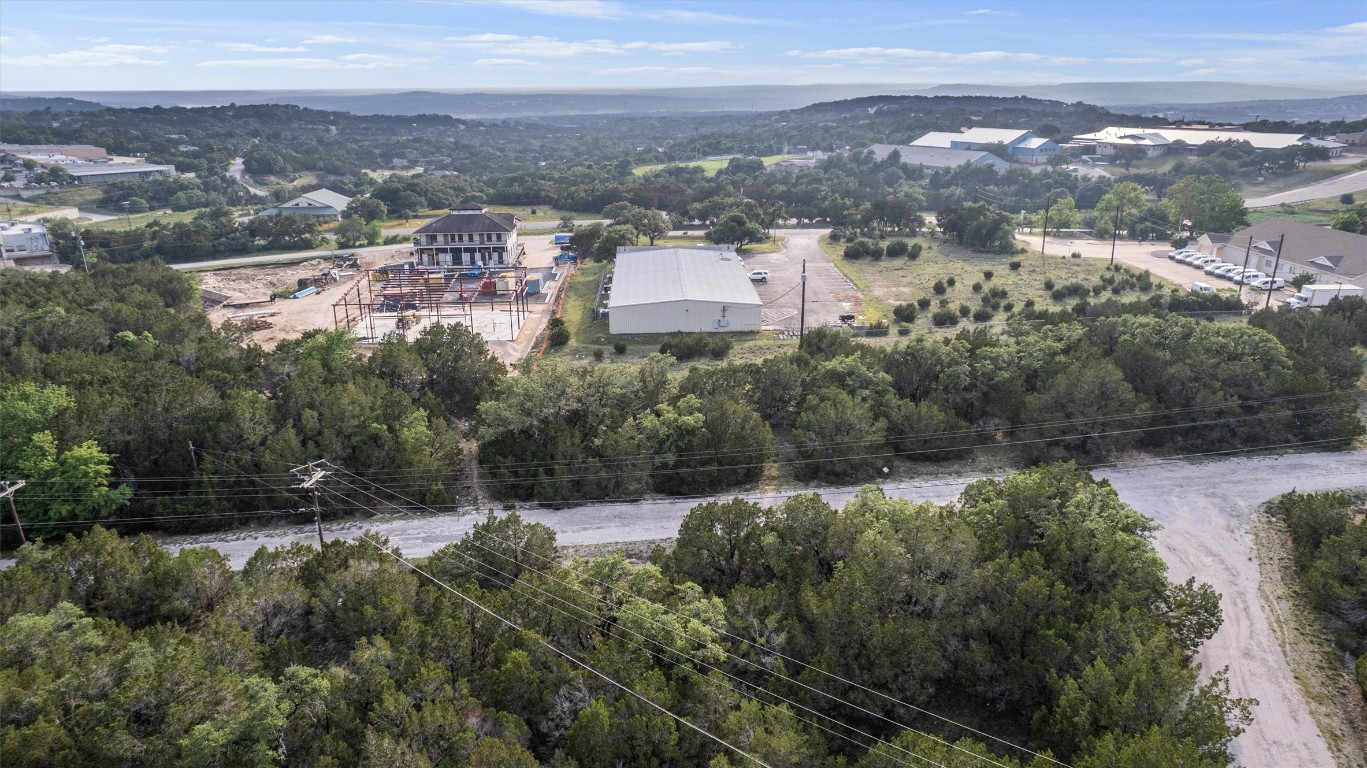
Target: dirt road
x,y
1204,507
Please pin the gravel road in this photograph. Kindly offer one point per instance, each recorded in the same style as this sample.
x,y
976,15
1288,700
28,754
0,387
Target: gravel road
x,y
1204,508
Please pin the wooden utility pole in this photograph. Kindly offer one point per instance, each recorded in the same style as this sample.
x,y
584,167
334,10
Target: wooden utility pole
x,y
309,475
1045,238
81,244
1275,265
8,493
802,315
1115,230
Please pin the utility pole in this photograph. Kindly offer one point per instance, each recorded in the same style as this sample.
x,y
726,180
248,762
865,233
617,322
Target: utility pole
x,y
802,315
1046,232
1115,231
1247,252
8,493
309,475
1275,265
81,244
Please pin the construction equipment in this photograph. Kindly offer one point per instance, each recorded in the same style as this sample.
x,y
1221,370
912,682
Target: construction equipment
x,y
406,319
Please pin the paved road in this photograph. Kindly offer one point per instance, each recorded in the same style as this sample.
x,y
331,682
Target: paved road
x,y
235,171
1354,181
1204,508
285,257
829,293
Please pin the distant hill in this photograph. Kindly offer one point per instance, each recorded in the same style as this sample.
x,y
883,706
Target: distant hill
x,y
1295,110
57,103
739,98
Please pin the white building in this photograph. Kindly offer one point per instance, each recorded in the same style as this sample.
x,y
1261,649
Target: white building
x,y
103,173
664,290
25,244
468,235
1157,141
319,202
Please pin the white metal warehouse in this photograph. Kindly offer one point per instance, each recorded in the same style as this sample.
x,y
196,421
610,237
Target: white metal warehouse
x,y
662,290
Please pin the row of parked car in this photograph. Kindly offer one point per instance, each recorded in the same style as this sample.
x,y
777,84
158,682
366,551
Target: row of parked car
x,y
1214,267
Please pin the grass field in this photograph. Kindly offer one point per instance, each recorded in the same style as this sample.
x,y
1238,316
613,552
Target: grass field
x,y
1320,211
890,281
1281,182
137,220
710,167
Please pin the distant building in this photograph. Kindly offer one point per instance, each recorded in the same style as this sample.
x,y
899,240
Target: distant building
x,y
1023,146
466,236
1158,141
664,290
1329,254
934,158
85,152
319,202
103,173
1352,139
25,244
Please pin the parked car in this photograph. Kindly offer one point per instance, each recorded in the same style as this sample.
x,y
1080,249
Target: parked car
x,y
759,276
567,256
1180,252
1191,258
1202,288
1269,284
1228,273
1211,268
1250,277
1201,262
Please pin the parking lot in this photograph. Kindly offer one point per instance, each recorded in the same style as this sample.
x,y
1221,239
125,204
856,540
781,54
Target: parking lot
x,y
829,293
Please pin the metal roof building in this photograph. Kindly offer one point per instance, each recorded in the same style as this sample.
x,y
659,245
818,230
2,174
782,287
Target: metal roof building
x,y
663,290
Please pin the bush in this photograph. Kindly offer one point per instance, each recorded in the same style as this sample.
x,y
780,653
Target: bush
x,y
944,317
915,252
987,274
904,331
1009,306
905,312
1029,304
598,354
1048,285
998,293
877,327
1014,265
836,236
977,288
949,281
897,248
559,335
923,302
1076,254
944,302
938,288
1180,241
688,346
620,347
964,310
1347,198
982,315
863,249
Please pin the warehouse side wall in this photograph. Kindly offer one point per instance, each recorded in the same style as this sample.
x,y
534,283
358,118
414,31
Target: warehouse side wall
x,y
684,315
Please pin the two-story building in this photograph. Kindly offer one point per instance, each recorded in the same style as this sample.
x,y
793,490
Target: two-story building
x,y
466,236
25,244
1022,146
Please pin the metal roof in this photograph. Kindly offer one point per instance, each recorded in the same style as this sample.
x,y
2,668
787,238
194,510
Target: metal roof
x,y
1198,136
664,274
326,197
467,219
935,157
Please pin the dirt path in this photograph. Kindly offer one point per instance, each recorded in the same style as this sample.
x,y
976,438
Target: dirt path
x,y
1204,507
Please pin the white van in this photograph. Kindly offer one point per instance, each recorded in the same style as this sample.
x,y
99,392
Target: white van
x,y
1202,288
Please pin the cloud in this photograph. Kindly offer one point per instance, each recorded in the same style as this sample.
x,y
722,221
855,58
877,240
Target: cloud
x,y
350,61
583,9
1191,62
991,12
658,71
328,40
99,56
1135,60
874,54
504,63
254,48
518,46
707,17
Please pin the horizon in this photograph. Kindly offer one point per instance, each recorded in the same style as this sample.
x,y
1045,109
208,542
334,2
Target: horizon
x,y
594,45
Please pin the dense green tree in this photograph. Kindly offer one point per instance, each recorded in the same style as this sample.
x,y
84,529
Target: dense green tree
x,y
735,228
1210,202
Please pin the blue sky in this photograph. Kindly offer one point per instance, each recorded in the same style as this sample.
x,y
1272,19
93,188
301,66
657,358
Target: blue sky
x,y
474,44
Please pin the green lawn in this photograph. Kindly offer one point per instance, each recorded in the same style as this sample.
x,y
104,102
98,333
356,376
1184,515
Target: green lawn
x,y
1320,211
137,220
890,281
710,167
78,195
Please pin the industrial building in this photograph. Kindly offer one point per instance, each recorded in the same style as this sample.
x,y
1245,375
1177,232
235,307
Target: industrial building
x,y
25,244
103,173
664,290
933,158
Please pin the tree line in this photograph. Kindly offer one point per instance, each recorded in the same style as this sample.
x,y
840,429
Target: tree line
x,y
1034,613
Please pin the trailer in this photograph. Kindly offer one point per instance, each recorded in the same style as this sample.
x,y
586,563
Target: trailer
x,y
1319,295
561,238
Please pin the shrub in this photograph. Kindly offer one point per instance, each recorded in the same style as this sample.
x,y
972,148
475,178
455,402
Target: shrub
x,y
1347,199
944,317
864,249
1048,285
905,312
1029,304
836,236
982,315
897,248
915,252
964,310
1014,265
1180,241
1076,254
949,281
559,335
877,327
987,274
1303,279
598,354
998,293
904,331
1009,306
977,287
923,302
1058,294
687,346
938,288
620,347
1097,289
944,302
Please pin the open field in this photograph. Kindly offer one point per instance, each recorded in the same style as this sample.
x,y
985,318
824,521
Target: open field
x,y
1320,211
1280,182
138,220
81,196
710,167
887,282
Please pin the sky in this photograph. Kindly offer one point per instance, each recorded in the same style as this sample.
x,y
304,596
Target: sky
x,y
53,45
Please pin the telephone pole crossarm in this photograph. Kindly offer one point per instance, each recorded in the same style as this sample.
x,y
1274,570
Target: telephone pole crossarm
x,y
7,492
309,476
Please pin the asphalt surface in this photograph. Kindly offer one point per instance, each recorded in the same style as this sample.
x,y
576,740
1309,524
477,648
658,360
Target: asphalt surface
x,y
284,258
829,293
1204,507
1353,181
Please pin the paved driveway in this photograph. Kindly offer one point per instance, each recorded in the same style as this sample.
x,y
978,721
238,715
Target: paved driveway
x,y
829,293
1355,181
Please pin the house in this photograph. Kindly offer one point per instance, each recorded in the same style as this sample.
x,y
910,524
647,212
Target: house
x,y
1158,141
319,202
468,235
25,244
1329,254
663,290
1022,146
934,158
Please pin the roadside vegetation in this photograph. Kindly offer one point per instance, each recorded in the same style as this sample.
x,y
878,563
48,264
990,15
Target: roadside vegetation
x,y
121,651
